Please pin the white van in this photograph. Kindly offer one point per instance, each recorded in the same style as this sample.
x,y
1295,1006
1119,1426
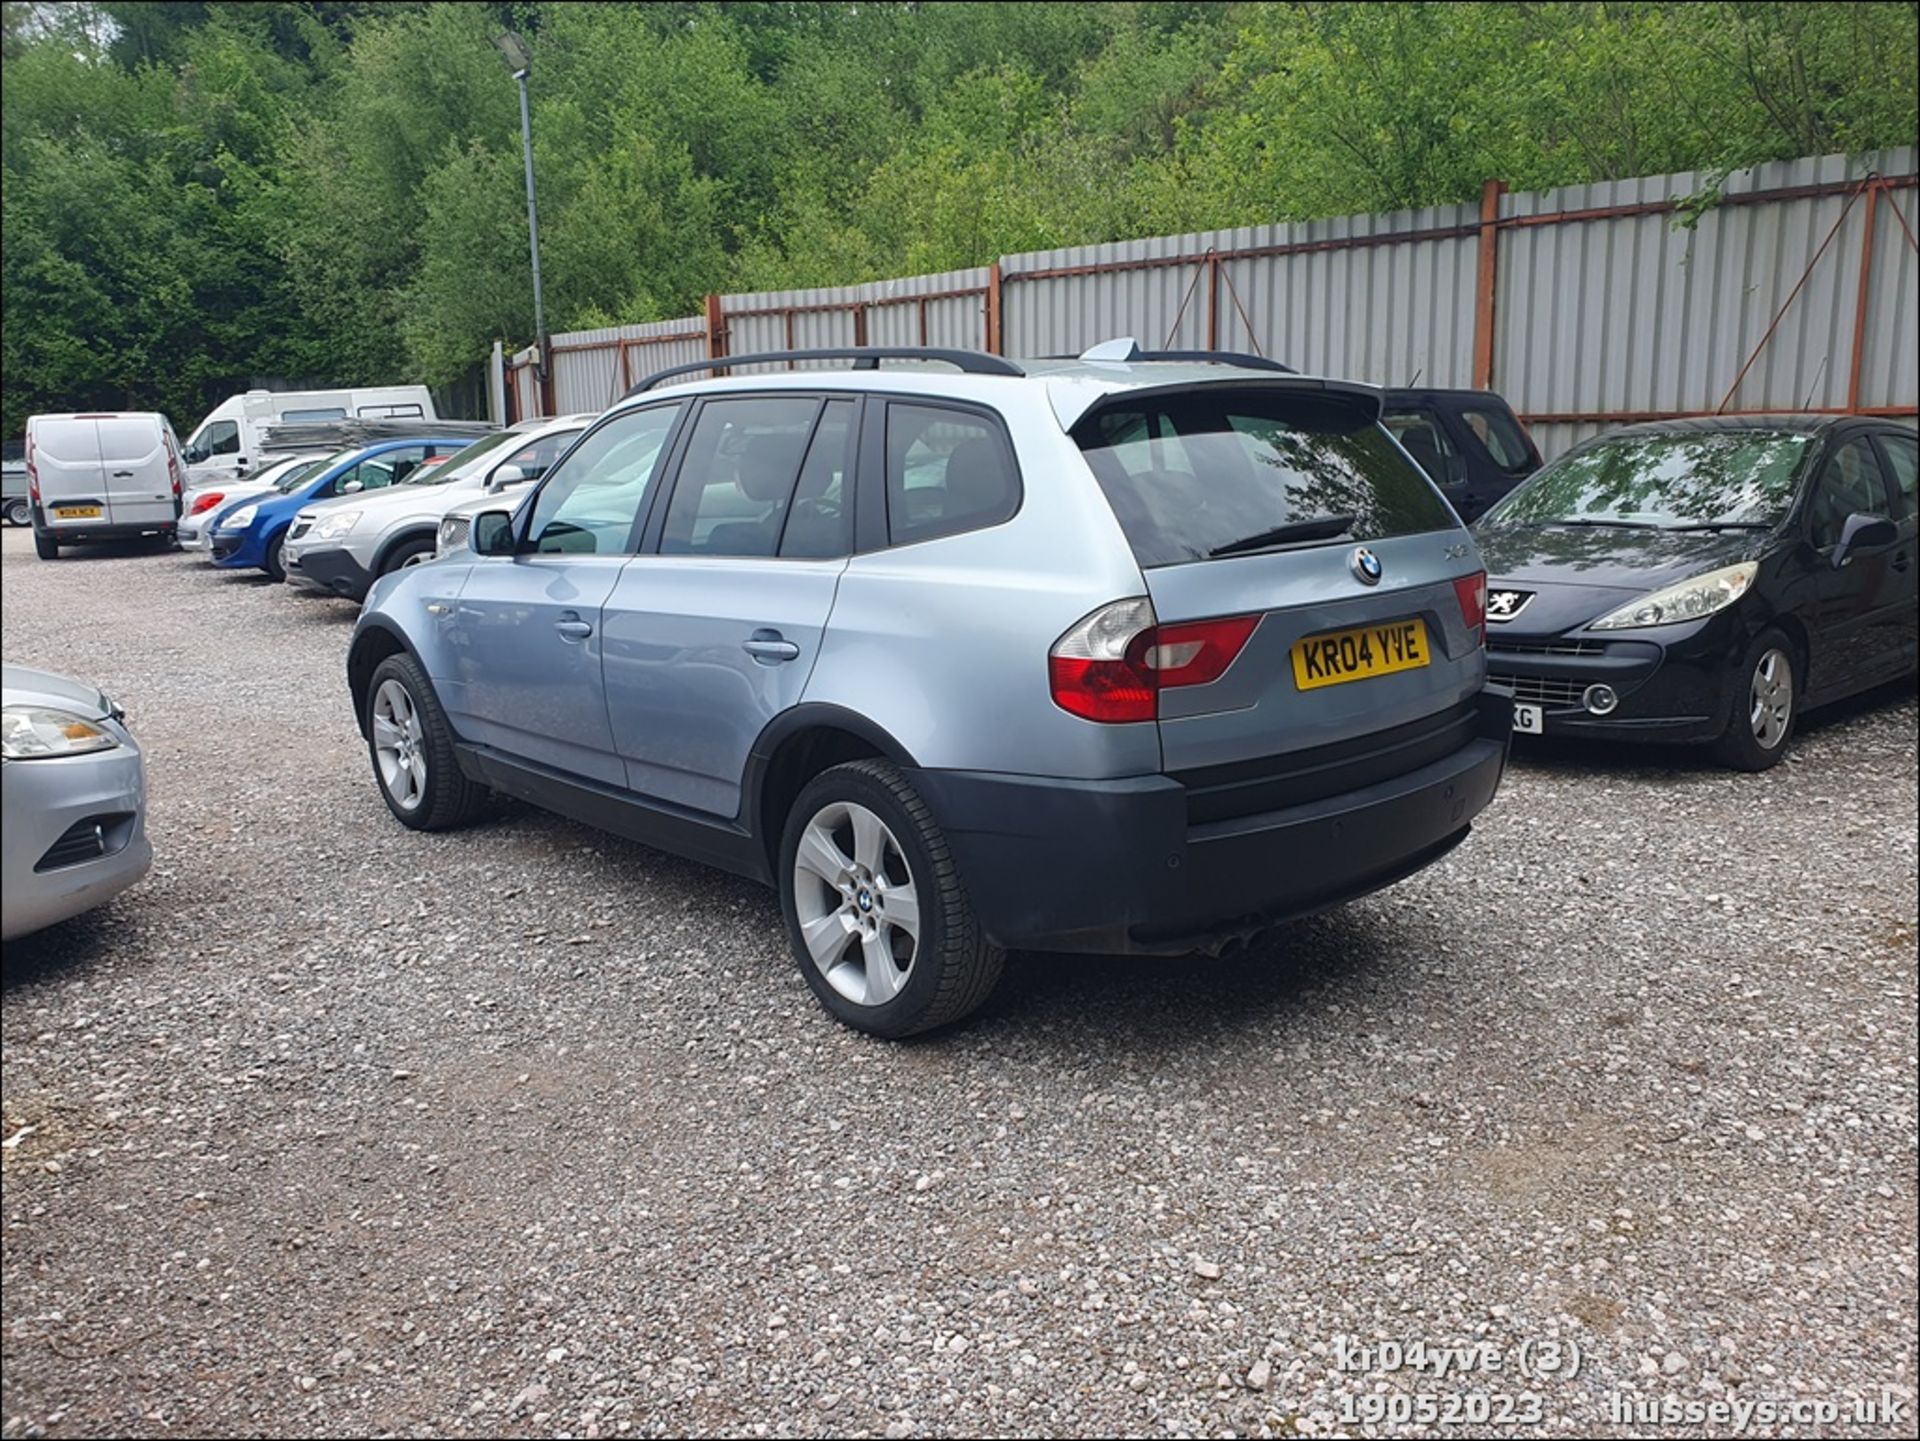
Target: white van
x,y
229,442
103,475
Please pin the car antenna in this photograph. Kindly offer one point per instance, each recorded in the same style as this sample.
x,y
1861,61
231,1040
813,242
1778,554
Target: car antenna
x,y
1816,382
1416,377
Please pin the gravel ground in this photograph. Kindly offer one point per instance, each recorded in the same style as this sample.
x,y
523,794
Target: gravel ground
x,y
337,1129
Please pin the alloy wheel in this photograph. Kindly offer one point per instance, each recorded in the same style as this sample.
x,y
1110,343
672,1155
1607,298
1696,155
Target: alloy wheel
x,y
1770,698
858,908
399,745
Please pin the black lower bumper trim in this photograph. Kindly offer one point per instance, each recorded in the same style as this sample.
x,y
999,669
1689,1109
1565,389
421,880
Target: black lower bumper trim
x,y
335,570
1116,866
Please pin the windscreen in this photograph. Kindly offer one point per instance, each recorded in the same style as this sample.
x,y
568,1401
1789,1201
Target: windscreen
x,y
293,480
452,467
1696,478
1215,471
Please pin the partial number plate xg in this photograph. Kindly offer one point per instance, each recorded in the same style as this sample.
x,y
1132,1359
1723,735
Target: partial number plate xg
x,y
1529,720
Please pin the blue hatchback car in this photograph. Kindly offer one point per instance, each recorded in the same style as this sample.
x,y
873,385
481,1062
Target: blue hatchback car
x,y
249,533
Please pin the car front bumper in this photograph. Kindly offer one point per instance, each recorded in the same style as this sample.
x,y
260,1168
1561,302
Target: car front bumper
x,y
75,833
1671,686
1134,866
238,549
329,568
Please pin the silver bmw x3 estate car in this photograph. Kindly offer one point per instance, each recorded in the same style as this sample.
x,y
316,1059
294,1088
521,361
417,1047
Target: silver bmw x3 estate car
x,y
1124,653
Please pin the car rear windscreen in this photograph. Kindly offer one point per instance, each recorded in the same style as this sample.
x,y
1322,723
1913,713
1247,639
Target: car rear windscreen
x,y
1195,474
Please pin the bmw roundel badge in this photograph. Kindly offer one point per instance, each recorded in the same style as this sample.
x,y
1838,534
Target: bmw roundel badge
x,y
1366,566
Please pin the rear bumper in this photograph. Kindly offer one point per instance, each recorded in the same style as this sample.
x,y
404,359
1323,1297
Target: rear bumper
x,y
88,532
334,570
1120,867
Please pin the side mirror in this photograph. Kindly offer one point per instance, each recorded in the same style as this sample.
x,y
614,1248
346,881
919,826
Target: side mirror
x,y
492,533
505,476
1863,534
351,487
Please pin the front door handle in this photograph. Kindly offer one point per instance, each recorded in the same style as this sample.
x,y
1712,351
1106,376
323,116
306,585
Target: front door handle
x,y
123,475
573,628
769,647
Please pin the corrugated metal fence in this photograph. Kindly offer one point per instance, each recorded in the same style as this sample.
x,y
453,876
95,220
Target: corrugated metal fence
x,y
1586,307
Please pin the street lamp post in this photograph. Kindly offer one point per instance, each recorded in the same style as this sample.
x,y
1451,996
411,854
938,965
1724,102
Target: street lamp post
x,y
520,61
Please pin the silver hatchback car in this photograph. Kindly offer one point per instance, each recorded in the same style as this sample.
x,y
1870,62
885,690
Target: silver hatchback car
x,y
1118,654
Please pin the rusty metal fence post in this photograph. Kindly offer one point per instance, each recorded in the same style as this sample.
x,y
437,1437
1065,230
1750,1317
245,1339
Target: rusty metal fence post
x,y
1484,279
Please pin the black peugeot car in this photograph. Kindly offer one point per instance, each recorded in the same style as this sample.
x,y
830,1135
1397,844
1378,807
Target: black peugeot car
x,y
1705,580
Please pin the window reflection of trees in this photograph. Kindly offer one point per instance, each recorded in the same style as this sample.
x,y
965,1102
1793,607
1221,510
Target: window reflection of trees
x,y
1185,486
1742,478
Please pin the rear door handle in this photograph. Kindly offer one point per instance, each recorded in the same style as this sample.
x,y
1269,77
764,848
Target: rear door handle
x,y
122,474
769,647
573,628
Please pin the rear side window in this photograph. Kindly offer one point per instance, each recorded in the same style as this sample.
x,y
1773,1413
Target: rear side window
x,y
288,417
385,412
1500,433
1420,434
947,471
738,475
1213,471
820,520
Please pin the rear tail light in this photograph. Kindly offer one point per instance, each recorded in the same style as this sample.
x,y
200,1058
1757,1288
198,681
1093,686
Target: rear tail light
x,y
1472,590
33,474
1112,666
206,502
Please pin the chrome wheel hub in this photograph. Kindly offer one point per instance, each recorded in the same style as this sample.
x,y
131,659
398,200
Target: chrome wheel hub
x,y
1770,699
855,899
399,745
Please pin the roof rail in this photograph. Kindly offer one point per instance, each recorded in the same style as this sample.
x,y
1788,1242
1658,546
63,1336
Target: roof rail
x,y
864,357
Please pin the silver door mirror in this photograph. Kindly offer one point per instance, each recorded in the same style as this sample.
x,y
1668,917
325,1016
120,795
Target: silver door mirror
x,y
505,476
351,487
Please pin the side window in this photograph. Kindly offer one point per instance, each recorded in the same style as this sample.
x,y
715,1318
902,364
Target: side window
x,y
291,417
588,506
537,458
386,412
1500,434
1899,453
1420,433
947,471
220,438
820,520
1849,482
741,464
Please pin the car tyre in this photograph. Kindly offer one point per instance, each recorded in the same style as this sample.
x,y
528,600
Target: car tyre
x,y
1766,704
18,513
272,564
410,742
45,546
408,552
857,836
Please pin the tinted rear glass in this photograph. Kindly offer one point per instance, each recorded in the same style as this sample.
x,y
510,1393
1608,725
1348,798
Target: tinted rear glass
x,y
1499,432
1192,473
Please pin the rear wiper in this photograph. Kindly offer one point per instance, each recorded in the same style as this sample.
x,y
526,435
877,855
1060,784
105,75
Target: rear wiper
x,y
1324,527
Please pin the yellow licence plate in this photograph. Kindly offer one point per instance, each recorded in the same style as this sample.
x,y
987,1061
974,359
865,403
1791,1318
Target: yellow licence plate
x,y
76,512
1369,650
